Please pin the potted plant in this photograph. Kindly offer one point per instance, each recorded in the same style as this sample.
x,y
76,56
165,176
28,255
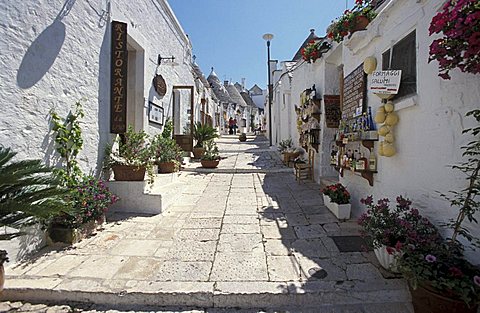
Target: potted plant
x,y
337,199
352,20
286,148
202,133
132,158
459,23
167,155
211,156
440,278
88,200
242,137
314,50
387,230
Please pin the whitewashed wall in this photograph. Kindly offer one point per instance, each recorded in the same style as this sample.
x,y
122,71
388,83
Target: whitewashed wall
x,y
54,53
428,136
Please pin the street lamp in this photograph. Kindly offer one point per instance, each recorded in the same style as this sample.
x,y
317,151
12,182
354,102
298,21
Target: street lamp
x,y
268,38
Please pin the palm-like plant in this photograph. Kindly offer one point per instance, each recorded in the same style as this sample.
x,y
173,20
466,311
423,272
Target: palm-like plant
x,y
203,133
29,192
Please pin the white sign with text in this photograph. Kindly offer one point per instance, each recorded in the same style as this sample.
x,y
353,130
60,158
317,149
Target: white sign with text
x,y
385,82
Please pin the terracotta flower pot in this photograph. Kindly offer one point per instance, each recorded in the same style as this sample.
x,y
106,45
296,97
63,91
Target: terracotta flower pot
x,y
426,300
360,23
210,163
128,173
166,167
198,152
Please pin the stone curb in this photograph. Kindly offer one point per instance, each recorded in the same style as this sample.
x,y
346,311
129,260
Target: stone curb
x,y
259,298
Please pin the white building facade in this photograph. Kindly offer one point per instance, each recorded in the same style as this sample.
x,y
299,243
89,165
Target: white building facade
x,y
431,110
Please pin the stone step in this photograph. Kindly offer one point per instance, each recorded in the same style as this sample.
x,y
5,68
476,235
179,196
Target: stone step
x,y
261,295
144,198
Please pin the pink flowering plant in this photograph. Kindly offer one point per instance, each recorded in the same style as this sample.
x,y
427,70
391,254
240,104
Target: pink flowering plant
x,y
337,193
459,46
89,199
394,228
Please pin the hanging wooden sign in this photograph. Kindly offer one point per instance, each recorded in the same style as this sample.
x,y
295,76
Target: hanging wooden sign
x,y
118,87
332,110
159,85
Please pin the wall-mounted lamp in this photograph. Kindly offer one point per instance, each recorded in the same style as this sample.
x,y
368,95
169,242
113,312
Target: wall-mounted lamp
x,y
171,60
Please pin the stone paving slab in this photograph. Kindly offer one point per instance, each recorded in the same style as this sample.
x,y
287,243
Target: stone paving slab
x,y
246,235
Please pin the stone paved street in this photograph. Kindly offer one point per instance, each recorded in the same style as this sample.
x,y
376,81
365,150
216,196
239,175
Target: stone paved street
x,y
245,235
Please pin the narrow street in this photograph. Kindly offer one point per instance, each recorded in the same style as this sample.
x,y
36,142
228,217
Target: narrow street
x,y
245,235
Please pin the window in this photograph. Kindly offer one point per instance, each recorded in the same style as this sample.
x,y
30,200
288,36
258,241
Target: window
x,y
404,58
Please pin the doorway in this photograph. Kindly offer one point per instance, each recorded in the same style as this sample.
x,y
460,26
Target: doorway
x,y
183,116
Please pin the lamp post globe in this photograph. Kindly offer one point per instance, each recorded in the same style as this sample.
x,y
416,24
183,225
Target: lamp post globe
x,y
268,37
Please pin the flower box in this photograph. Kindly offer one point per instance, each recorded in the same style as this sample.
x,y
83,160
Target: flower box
x,y
60,233
341,211
387,261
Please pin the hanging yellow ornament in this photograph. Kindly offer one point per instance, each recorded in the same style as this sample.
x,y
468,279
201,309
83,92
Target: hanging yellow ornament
x,y
380,117
389,138
389,106
388,150
383,130
391,119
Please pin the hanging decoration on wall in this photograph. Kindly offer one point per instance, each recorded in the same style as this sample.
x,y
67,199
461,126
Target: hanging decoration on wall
x,y
160,85
389,118
118,87
332,110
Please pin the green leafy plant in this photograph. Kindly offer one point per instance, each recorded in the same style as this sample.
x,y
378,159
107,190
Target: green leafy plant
x,y
166,150
203,133
3,257
29,192
211,151
68,142
167,129
337,193
467,199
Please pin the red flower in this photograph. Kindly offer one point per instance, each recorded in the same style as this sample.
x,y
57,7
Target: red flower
x,y
330,35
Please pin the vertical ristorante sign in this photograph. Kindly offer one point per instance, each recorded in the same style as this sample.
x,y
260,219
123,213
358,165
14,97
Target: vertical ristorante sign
x,y
118,91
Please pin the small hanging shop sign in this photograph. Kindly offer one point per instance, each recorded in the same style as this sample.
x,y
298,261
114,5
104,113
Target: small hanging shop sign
x,y
118,88
385,82
160,85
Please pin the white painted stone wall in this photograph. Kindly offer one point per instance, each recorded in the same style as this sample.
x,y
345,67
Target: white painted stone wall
x,y
428,136
54,53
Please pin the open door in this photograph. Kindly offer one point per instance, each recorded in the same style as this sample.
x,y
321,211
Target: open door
x,y
183,116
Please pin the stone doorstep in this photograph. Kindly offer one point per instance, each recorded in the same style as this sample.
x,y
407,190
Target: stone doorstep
x,y
209,295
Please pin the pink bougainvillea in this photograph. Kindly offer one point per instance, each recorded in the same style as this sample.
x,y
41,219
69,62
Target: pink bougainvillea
x,y
459,21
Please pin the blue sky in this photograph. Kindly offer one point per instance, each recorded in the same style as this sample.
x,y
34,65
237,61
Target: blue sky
x,y
227,34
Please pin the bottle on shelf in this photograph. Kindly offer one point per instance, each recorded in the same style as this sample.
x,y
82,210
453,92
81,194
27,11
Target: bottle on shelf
x,y
362,163
371,124
372,161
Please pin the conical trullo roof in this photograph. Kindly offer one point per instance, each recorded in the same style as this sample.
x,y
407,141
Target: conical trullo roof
x,y
310,37
218,89
199,74
248,100
235,95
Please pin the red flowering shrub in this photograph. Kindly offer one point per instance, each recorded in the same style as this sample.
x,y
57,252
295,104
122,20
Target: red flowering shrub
x,y
337,193
459,21
314,49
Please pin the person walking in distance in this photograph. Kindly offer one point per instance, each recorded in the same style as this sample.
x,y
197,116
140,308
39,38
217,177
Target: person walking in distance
x,y
230,126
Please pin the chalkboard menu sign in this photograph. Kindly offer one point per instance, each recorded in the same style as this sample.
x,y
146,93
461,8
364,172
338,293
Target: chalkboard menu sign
x,y
354,92
332,110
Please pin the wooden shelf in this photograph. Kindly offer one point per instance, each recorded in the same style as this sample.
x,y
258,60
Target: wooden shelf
x,y
367,143
367,174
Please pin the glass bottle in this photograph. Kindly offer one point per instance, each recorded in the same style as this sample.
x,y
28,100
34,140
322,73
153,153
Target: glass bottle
x,y
371,124
372,161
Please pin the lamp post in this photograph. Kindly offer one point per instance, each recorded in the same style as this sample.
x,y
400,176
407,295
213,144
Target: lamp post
x,y
268,38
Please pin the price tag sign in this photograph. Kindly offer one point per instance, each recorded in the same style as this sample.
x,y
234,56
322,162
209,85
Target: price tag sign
x,y
385,82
